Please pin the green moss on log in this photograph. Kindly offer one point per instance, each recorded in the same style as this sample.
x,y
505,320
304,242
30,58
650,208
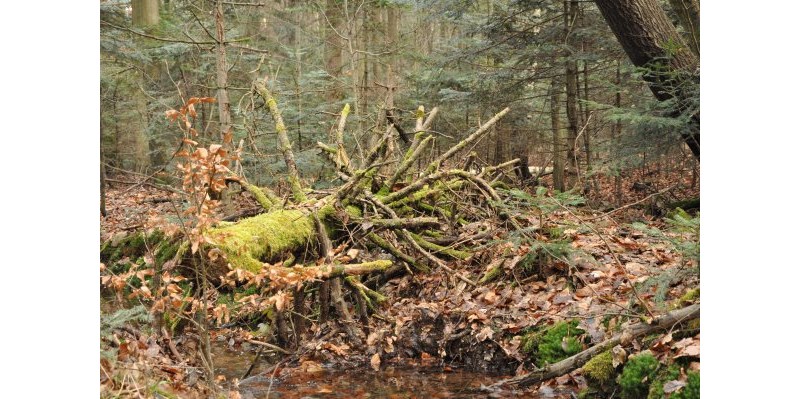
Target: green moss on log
x,y
600,368
265,237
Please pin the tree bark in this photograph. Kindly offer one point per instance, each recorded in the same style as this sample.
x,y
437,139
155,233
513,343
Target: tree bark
x,y
555,122
222,74
571,80
333,47
652,42
145,12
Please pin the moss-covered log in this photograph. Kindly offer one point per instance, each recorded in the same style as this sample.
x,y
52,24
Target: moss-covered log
x,y
263,238
664,322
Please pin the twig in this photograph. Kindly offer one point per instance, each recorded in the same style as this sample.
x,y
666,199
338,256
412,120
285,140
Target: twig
x,y
634,203
270,346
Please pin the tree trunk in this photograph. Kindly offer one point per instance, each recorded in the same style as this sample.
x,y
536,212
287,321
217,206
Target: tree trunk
x,y
145,12
222,74
616,130
652,42
571,80
333,47
102,176
555,121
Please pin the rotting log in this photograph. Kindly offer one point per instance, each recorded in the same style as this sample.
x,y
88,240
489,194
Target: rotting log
x,y
263,238
573,362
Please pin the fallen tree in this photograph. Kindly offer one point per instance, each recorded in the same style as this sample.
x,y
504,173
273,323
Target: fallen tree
x,y
393,203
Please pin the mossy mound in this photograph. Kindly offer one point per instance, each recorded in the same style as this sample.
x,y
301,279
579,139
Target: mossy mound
x,y
638,374
692,388
600,368
554,343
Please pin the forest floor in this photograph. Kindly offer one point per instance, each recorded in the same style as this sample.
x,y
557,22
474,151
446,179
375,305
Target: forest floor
x,y
607,271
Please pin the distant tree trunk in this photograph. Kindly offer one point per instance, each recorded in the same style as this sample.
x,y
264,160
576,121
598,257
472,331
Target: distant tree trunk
x,y
519,147
688,12
333,46
102,176
298,71
145,12
571,80
138,126
651,41
222,73
555,121
616,133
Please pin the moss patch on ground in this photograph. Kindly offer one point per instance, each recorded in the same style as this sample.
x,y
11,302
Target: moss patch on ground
x,y
555,343
638,374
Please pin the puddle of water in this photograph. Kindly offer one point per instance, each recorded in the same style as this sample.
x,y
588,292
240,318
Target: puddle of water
x,y
363,383
391,382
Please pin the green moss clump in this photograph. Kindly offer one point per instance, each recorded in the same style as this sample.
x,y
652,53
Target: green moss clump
x,y
657,387
688,298
692,388
166,251
637,375
553,344
600,368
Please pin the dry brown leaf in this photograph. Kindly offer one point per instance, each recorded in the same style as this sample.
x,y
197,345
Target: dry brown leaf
x,y
375,361
619,355
485,333
673,386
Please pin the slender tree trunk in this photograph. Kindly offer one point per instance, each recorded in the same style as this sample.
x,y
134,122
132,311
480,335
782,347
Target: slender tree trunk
x,y
145,12
651,41
333,46
298,73
555,121
102,176
222,73
617,129
571,80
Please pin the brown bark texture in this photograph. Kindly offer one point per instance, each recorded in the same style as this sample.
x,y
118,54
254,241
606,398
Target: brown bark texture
x,y
652,42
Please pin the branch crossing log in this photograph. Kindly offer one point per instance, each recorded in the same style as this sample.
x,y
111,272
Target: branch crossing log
x,y
578,360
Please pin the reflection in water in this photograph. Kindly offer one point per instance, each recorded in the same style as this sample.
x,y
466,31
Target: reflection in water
x,y
389,382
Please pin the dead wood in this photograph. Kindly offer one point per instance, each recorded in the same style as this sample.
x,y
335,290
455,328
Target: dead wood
x,y
664,322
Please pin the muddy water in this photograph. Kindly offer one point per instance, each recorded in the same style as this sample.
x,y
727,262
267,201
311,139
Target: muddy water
x,y
389,382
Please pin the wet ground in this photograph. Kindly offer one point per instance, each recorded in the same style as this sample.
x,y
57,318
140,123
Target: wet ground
x,y
389,382
395,382
386,383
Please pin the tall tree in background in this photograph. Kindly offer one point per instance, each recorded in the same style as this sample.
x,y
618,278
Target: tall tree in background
x,y
333,46
145,12
223,102
571,81
555,122
652,42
